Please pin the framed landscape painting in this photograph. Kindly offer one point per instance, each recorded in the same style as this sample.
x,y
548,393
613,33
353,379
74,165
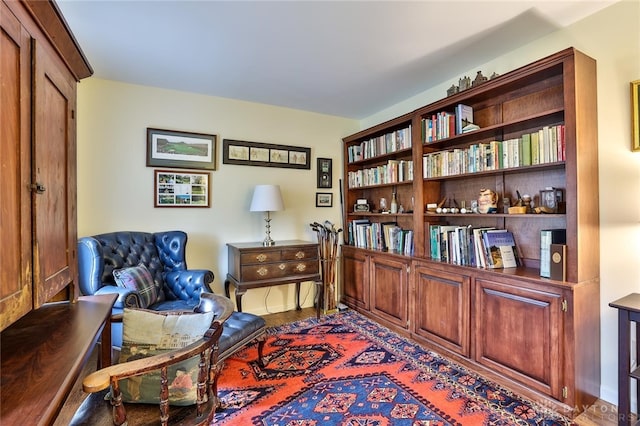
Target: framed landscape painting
x,y
182,150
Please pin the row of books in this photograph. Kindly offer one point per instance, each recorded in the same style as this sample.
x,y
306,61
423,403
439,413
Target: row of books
x,y
392,172
386,236
480,247
384,144
546,145
444,124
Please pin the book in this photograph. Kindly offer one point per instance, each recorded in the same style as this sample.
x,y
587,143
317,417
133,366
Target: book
x,y
558,265
500,247
386,235
548,237
464,117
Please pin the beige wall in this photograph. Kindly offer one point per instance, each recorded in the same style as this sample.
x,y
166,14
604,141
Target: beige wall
x,y
115,188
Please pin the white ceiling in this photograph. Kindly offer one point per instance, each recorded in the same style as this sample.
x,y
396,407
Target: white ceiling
x,y
344,58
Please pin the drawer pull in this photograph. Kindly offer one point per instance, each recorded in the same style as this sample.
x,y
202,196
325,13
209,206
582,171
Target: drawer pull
x,y
261,257
300,255
262,271
282,266
301,267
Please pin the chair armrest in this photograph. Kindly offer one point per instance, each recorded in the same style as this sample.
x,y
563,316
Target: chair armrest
x,y
221,306
102,379
125,296
189,284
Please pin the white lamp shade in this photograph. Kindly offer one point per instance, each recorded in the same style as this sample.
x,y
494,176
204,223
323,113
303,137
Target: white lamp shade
x,y
266,198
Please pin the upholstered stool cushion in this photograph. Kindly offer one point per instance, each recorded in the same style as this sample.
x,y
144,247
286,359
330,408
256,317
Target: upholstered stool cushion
x,y
237,328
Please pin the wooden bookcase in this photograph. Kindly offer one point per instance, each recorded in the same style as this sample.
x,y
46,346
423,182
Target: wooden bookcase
x,y
536,335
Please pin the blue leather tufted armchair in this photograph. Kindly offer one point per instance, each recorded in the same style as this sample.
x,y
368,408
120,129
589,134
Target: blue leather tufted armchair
x,y
163,253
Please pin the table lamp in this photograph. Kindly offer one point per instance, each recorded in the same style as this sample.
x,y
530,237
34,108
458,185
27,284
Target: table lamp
x,y
267,198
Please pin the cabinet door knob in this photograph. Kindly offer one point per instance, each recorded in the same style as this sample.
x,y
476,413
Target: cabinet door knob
x,y
301,267
38,188
299,255
261,257
262,271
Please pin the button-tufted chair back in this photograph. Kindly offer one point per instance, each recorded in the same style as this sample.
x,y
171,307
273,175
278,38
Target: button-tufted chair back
x,y
125,249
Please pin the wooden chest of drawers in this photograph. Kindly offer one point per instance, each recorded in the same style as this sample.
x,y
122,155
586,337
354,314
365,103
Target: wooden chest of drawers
x,y
251,265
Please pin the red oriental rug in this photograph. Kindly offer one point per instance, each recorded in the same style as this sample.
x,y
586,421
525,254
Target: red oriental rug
x,y
347,370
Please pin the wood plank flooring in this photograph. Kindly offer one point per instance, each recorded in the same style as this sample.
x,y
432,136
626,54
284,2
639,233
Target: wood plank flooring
x,y
601,413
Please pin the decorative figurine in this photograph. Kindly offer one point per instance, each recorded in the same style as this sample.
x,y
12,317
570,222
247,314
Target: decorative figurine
x,y
452,90
479,79
464,83
487,201
494,75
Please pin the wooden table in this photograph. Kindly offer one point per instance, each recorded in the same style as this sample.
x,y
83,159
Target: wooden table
x,y
252,265
628,311
43,354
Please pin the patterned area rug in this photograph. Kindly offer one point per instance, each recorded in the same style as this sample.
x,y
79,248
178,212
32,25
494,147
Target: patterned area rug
x,y
347,370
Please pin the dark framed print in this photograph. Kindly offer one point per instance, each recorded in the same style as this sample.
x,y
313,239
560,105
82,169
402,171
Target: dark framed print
x,y
635,115
324,173
181,189
181,150
247,153
324,199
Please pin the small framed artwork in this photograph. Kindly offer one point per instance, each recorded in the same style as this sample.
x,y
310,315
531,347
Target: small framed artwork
x,y
324,172
179,189
246,153
635,115
181,150
324,199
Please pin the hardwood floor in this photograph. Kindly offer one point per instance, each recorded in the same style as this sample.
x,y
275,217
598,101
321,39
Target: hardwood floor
x,y
601,413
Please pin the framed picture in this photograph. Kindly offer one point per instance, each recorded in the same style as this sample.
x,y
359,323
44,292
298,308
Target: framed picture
x,y
324,199
263,154
324,172
181,150
635,115
181,189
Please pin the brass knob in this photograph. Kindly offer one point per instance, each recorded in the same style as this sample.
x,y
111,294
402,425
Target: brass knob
x,y
300,255
282,266
301,267
262,271
261,257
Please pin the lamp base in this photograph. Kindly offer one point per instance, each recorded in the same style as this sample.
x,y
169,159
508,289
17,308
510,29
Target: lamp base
x,y
268,243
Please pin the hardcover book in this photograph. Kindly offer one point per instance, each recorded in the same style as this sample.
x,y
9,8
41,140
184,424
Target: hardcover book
x,y
548,237
464,117
500,246
558,268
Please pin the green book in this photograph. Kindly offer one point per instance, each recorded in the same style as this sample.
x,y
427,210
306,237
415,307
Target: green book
x,y
526,149
535,148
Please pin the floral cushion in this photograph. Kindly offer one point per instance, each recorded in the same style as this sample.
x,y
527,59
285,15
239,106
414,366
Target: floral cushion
x,y
139,279
147,333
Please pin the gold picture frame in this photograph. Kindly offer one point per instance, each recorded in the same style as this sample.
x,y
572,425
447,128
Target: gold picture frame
x,y
635,115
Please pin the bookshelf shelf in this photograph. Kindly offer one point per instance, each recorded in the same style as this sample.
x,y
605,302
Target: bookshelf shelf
x,y
468,311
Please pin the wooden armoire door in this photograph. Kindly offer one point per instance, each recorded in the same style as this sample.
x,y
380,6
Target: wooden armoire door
x,y
54,176
15,166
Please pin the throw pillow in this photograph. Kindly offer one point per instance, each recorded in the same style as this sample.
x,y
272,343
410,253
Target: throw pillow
x,y
139,279
147,333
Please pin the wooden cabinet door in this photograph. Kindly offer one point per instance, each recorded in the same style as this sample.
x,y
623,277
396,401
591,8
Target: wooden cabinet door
x,y
15,163
389,289
54,169
441,308
355,278
519,333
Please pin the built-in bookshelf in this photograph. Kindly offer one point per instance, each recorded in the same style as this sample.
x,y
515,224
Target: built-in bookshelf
x,y
518,135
